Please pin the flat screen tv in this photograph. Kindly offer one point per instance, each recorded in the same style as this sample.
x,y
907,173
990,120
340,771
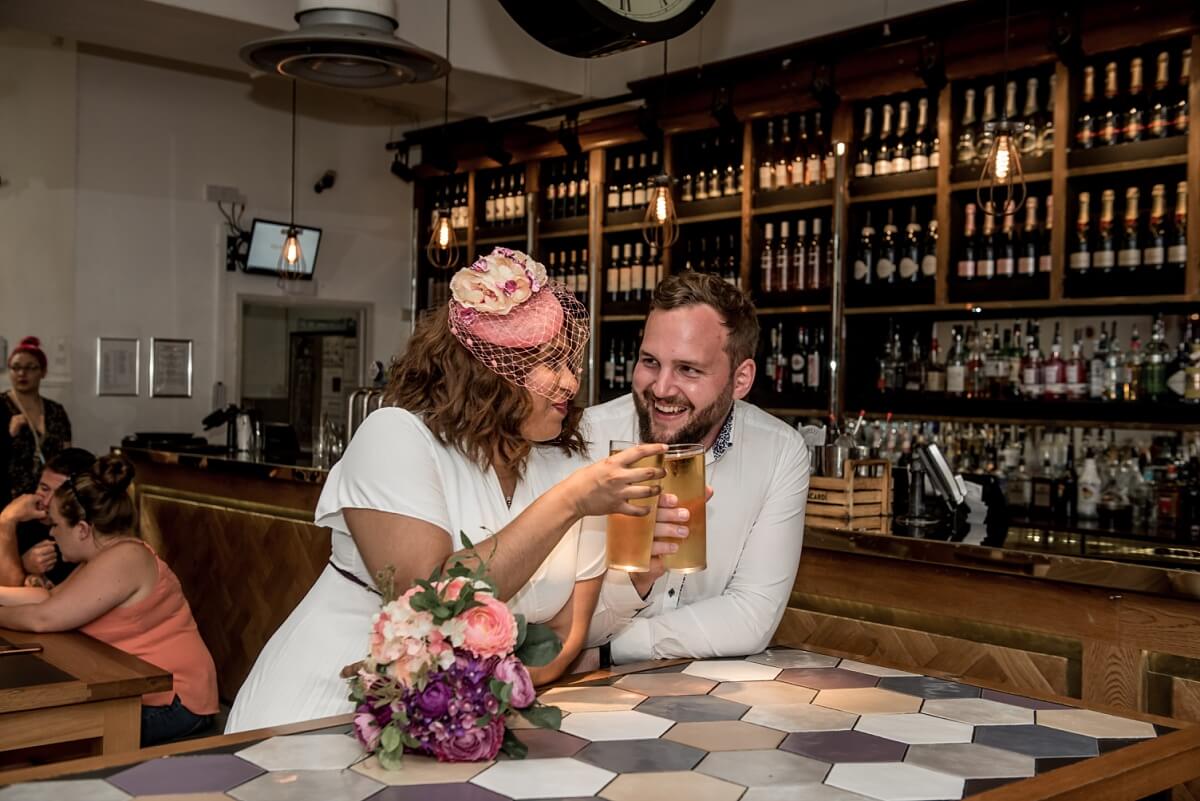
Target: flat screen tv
x,y
266,242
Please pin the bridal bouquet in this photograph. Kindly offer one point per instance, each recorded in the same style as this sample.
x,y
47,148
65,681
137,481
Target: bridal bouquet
x,y
445,670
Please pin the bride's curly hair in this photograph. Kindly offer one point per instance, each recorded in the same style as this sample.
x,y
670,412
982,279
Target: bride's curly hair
x,y
465,404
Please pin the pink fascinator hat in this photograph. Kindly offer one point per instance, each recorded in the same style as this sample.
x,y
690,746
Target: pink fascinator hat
x,y
524,328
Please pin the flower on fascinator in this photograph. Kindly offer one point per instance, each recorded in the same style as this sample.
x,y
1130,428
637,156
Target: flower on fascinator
x,y
498,282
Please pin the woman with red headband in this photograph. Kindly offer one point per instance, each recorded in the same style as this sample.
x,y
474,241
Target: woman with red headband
x,y
32,428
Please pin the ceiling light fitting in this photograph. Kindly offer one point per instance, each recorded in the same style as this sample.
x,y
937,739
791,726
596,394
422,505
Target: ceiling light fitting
x,y
292,264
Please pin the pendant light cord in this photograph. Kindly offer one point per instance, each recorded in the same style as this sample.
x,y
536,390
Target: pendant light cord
x,y
1006,16
446,84
292,217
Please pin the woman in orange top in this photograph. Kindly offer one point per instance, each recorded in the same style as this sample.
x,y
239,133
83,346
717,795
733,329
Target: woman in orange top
x,y
121,594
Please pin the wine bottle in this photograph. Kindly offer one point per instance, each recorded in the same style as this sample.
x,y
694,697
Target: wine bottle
x,y
883,159
625,272
783,259
1097,364
1054,374
956,367
1110,122
965,149
1154,252
929,262
1135,110
798,361
922,141
1085,123
824,171
1045,261
1027,139
1158,124
1006,249
985,137
864,167
885,264
902,144
1179,117
817,261
864,262
1103,250
783,158
1076,370
1046,132
767,262
1027,261
613,200
627,186
637,273
1130,254
1177,247
583,197
967,257
799,259
985,266
910,254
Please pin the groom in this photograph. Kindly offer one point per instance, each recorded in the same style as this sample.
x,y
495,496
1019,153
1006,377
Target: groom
x,y
695,366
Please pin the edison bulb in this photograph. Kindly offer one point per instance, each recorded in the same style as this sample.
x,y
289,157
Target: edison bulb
x,y
1001,157
293,251
660,206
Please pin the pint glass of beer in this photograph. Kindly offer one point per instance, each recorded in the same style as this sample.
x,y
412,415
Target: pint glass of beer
x,y
685,480
630,538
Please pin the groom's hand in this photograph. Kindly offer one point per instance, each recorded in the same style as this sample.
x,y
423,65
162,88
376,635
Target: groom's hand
x,y
669,530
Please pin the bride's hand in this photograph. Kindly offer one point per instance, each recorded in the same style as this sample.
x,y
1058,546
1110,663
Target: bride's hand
x,y
608,486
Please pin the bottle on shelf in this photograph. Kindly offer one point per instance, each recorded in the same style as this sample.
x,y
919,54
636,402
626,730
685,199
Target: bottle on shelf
x,y
806,159
1080,260
780,371
1158,118
885,262
1032,366
798,362
1028,139
783,158
1135,108
1130,254
798,279
1085,121
1114,368
1104,248
922,144
783,259
613,196
1045,251
985,264
1177,243
820,257
1154,368
1096,365
929,263
1154,251
966,149
864,166
902,149
612,275
1134,365
1054,369
637,273
1027,258
1088,493
1110,127
1179,116
956,366
935,371
968,254
625,272
910,252
864,260
766,267
1006,249
983,136
1075,370
1046,131
883,160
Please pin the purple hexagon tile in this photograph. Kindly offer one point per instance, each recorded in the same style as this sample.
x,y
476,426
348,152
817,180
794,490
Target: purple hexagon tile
x,y
91,789
844,746
828,678
437,792
547,743
186,774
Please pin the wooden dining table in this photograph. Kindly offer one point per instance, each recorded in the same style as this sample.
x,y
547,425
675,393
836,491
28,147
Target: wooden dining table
x,y
76,690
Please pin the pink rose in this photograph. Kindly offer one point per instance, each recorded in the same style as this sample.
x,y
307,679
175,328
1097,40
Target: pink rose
x,y
473,745
491,629
511,671
366,728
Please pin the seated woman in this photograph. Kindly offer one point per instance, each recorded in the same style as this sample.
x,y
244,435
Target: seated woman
x,y
121,594
483,440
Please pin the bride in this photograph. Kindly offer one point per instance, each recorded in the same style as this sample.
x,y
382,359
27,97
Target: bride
x,y
481,438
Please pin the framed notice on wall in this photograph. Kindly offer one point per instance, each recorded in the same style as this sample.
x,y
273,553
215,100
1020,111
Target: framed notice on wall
x,y
118,365
170,368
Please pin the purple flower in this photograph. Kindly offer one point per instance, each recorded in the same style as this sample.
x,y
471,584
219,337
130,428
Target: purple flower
x,y
434,700
366,727
511,671
474,744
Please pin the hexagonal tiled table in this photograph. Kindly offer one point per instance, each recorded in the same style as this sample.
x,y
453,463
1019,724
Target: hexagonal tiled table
x,y
873,670
544,778
307,785
971,761
868,700
691,785
915,729
202,773
762,768
651,684
789,658
789,717
631,725
692,708
305,752
802,792
731,670
1094,724
1037,741
895,781
927,687
641,756
828,678
757,693
978,711
92,789
421,770
591,699
844,746
724,735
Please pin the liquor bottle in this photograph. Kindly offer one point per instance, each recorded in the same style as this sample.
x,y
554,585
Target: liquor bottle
x,y
1066,489
1076,370
965,149
864,167
885,264
1085,123
766,264
568,192
896,365
864,262
780,362
552,269
1158,122
783,158
1046,132
910,251
1191,379
731,273
1134,365
619,368
1006,249
625,272
732,182
1135,109
798,361
519,199
1088,497
1042,504
1045,262
1177,243
1114,368
995,366
610,366
1096,365
639,186
1130,254
612,274
806,158
1154,370
1054,373
653,270
985,137
489,203
1032,371
1027,260
902,150
1179,116
1110,122
581,277
1104,249
985,266
967,257
783,259
914,371
1154,252
956,367
550,208
1177,369
1014,360
935,371
1080,260
929,252
883,157
797,281
627,186
583,196
923,140
976,378
818,264
637,273
1028,140
1010,109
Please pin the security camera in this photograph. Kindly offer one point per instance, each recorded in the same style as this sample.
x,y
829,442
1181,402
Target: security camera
x,y
326,182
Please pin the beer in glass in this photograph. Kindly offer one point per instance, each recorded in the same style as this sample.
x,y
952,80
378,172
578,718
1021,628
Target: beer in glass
x,y
684,465
630,538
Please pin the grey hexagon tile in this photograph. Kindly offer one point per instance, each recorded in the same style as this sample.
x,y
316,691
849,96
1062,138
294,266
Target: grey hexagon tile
x,y
763,768
971,760
868,700
755,693
91,789
307,785
202,773
420,770
545,778
1037,741
828,678
915,728
691,785
844,746
691,708
665,684
929,687
598,726
1020,700
433,792
1094,724
793,658
873,670
724,735
978,711
894,781
547,743
790,717
641,756
591,699
731,670
305,752
802,792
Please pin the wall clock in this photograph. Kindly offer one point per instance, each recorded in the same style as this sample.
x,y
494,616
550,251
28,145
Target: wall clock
x,y
590,28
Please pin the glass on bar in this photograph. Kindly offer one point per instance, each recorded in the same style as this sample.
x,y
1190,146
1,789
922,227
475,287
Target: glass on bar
x,y
630,538
684,465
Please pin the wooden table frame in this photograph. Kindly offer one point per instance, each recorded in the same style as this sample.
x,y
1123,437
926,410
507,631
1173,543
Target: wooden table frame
x,y
102,702
1127,774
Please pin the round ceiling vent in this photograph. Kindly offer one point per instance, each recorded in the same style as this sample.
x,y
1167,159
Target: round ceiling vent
x,y
348,44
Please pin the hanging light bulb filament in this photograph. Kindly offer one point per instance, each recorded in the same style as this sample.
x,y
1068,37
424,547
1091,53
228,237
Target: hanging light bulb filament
x,y
660,205
442,249
1002,157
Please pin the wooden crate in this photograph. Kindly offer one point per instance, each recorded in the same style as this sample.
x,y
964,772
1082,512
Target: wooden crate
x,y
852,500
